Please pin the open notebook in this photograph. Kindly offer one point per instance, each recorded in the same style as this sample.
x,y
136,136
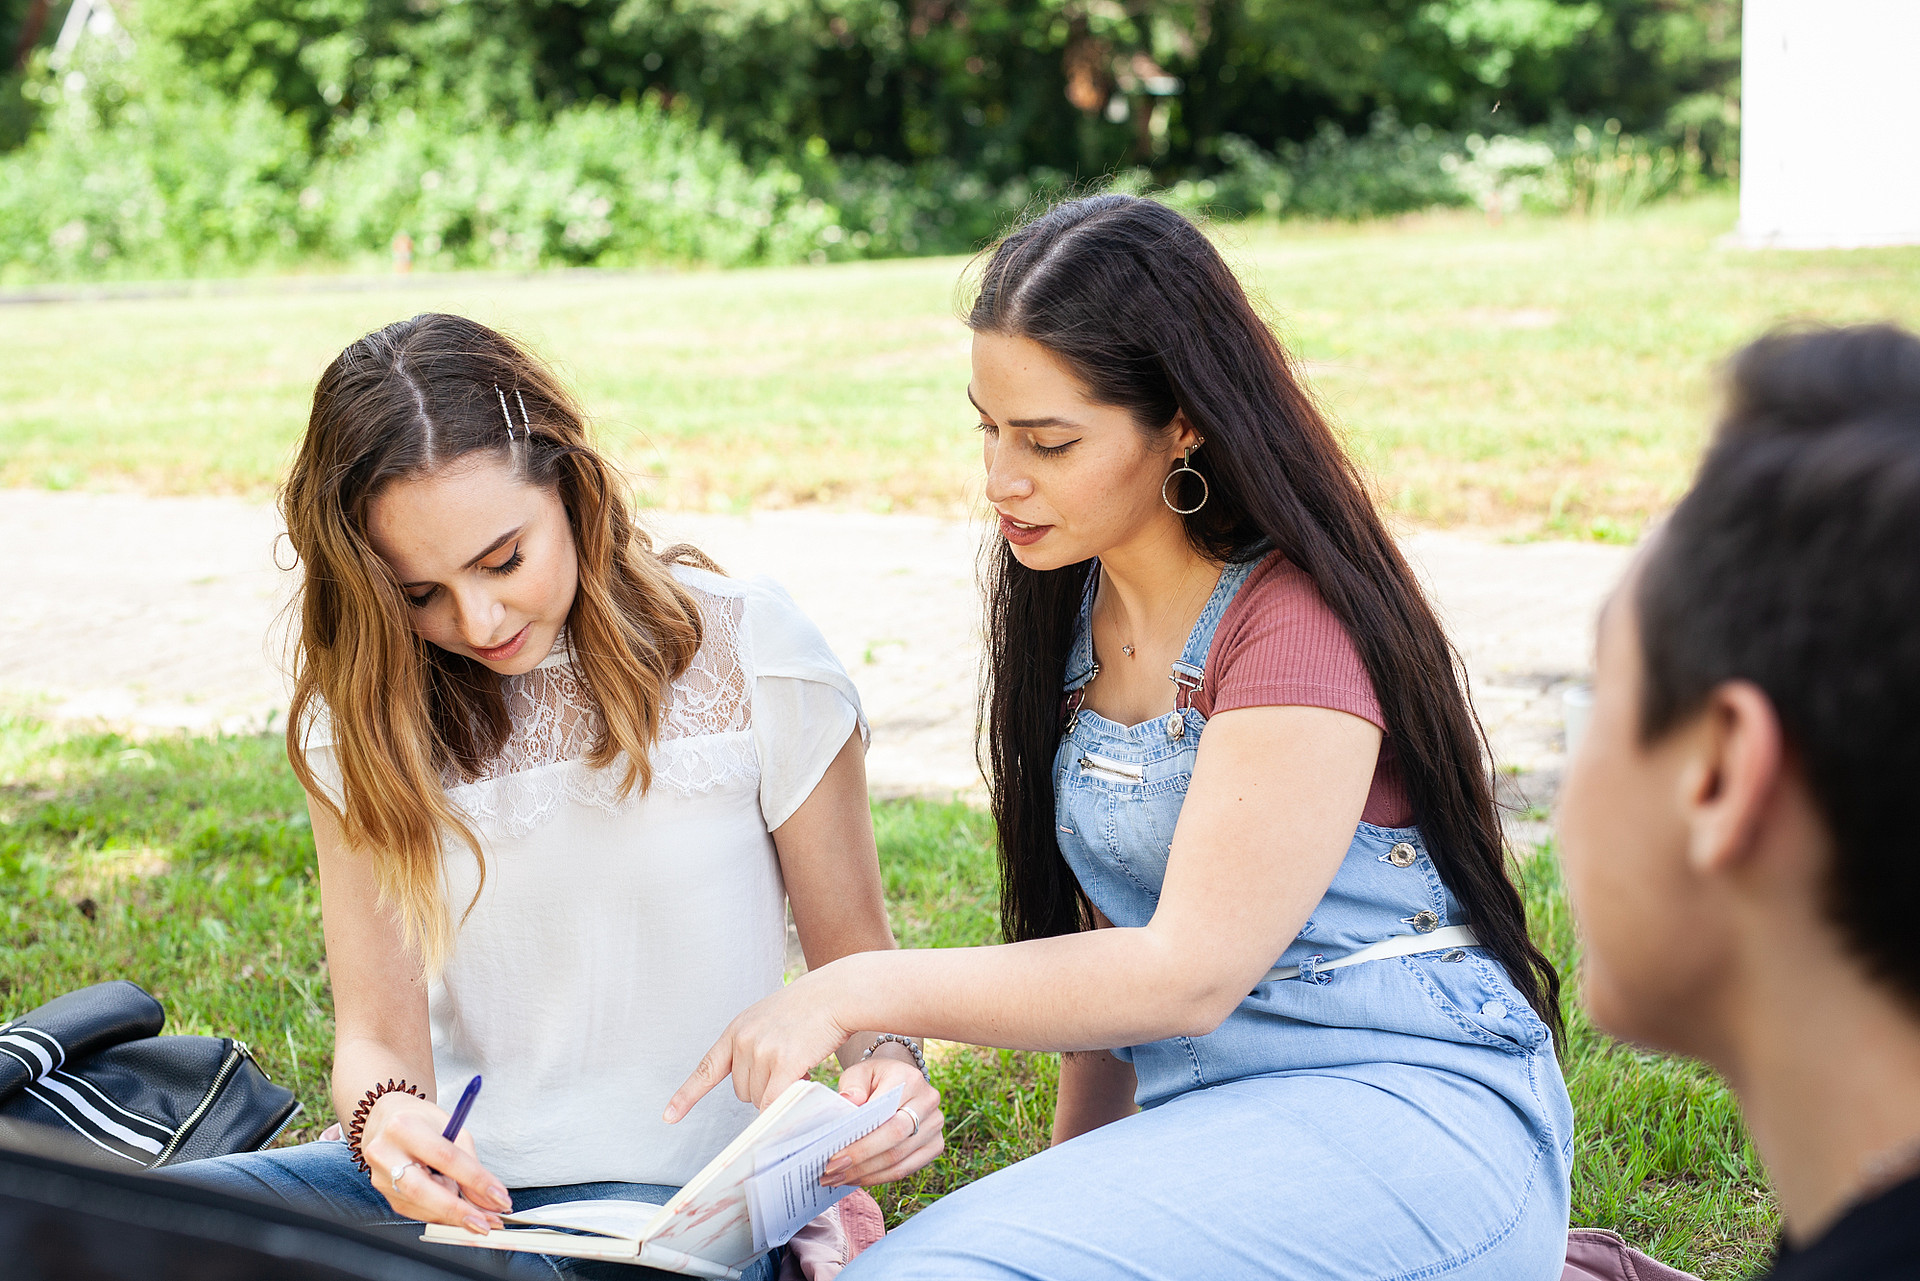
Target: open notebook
x,y
755,1195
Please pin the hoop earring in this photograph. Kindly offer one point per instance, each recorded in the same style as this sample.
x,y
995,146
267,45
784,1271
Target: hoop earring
x,y
1186,465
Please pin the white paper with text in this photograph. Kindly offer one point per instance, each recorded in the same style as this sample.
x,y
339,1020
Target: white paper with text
x,y
784,1194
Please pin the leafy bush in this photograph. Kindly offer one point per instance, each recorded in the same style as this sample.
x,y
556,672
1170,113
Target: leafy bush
x,y
140,166
598,184
1389,169
133,169
1394,169
936,206
140,170
1002,87
1609,171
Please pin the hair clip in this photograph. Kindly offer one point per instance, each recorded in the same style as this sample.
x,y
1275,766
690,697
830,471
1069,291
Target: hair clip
x,y
526,419
503,410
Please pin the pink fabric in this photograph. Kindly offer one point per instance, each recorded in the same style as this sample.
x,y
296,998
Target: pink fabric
x,y
1278,645
1594,1254
832,1241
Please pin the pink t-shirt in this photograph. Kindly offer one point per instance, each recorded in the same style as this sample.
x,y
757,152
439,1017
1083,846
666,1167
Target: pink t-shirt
x,y
1280,646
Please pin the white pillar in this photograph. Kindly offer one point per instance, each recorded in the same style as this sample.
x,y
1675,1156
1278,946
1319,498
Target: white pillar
x,y
1830,123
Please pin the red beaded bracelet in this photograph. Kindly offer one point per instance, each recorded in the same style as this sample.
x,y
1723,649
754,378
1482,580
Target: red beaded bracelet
x,y
359,1121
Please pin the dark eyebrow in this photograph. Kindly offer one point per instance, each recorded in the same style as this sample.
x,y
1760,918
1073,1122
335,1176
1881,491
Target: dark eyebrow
x,y
492,547
1031,424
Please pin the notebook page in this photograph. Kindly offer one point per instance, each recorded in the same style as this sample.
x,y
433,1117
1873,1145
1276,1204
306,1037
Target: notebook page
x,y
625,1220
784,1194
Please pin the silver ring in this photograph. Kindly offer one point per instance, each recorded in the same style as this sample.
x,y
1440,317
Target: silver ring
x,y
916,1119
398,1172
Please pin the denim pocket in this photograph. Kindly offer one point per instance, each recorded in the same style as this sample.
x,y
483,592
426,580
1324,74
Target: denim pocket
x,y
1141,821
1475,995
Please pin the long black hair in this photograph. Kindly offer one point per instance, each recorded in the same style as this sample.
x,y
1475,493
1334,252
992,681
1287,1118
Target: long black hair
x,y
1145,311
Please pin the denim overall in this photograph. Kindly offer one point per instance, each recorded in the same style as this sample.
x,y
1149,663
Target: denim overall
x,y
1395,1118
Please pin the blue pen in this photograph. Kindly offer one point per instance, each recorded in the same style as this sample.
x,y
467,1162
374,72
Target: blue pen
x,y
461,1109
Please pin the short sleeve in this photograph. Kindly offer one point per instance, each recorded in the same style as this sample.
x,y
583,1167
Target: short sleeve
x,y
1279,646
318,742
804,703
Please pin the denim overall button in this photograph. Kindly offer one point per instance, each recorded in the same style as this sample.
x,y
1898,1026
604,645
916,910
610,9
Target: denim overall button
x,y
1455,955
1423,922
1401,855
1493,1010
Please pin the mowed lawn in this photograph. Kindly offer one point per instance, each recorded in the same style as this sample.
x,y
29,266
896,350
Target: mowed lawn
x,y
1543,376
186,864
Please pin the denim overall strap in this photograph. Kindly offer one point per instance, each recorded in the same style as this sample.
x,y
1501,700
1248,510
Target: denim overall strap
x,y
1191,666
1190,669
1081,666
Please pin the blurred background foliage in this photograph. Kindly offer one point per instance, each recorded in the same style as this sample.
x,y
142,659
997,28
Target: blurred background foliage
x,y
227,135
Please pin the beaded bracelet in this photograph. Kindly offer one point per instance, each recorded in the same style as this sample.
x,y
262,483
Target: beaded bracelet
x,y
919,1059
359,1122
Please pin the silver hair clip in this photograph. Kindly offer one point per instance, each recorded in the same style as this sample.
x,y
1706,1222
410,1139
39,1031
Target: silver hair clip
x,y
526,421
503,410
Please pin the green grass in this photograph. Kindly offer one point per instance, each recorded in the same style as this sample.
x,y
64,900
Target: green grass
x,y
186,864
1551,376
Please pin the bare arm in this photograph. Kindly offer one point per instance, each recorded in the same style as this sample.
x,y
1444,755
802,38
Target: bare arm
x,y
1276,794
1095,1086
1095,1089
832,870
380,1034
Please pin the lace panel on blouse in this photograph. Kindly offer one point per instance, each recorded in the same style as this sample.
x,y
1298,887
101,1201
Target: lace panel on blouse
x,y
703,744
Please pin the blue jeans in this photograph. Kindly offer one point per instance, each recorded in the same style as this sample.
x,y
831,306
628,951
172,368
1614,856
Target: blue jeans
x,y
1378,1172
321,1179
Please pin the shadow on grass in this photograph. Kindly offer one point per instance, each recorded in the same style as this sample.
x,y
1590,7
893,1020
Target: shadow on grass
x,y
186,864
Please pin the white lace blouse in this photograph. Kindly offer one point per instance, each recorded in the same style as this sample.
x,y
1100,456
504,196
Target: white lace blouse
x,y
615,938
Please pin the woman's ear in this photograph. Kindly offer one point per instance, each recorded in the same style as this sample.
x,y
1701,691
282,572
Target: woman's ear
x,y
1185,435
1730,783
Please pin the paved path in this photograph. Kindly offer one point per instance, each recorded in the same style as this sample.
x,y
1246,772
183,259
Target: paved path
x,y
160,612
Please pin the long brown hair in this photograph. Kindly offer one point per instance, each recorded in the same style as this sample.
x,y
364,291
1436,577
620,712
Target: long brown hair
x,y
402,402
1144,310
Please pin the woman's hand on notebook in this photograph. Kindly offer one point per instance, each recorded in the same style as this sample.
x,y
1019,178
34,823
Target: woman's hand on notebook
x,y
770,1044
440,1181
903,1144
777,1041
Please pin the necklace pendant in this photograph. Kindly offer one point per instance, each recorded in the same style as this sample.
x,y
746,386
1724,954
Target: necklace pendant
x,y
1127,650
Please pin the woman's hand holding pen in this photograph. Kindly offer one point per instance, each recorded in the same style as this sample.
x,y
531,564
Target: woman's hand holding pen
x,y
440,1180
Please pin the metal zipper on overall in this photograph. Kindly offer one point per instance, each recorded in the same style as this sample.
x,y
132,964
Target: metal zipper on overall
x,y
1111,770
228,1066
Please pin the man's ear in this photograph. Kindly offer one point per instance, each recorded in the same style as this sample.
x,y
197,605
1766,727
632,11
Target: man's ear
x,y
1735,752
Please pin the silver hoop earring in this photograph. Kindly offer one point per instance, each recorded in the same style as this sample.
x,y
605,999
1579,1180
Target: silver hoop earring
x,y
1186,465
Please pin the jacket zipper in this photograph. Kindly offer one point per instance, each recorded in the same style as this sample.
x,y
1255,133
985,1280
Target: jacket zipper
x,y
228,1066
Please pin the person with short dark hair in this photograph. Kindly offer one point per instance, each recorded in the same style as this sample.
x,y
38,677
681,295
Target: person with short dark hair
x,y
1743,870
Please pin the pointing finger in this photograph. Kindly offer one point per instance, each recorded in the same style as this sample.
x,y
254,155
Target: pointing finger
x,y
712,1070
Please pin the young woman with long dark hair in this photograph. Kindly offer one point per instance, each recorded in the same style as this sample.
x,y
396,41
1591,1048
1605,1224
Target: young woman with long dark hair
x,y
1253,878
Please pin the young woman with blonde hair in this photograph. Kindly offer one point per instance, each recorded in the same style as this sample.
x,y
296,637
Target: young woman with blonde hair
x,y
563,788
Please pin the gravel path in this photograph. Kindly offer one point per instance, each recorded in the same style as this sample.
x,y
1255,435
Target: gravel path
x,y
161,613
